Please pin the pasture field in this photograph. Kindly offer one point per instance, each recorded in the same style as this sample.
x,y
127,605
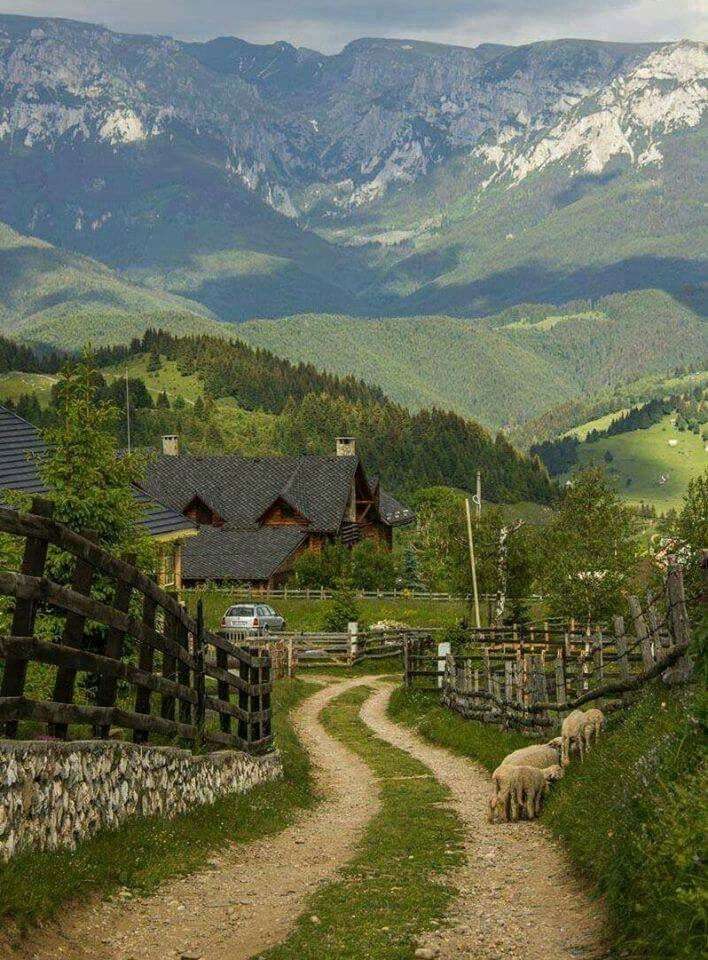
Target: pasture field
x,y
15,383
642,457
308,615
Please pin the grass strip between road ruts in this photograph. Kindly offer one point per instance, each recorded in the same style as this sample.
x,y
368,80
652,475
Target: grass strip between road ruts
x,y
145,852
395,887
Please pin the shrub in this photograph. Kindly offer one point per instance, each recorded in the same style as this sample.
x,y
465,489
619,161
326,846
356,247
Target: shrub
x,y
344,609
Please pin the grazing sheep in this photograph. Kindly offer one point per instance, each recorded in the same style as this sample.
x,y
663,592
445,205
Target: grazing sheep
x,y
502,801
538,755
593,725
572,732
516,789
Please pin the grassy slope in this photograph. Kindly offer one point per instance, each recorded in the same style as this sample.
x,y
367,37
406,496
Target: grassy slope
x,y
406,356
144,852
508,368
65,299
15,383
394,888
641,457
632,816
575,416
308,615
251,432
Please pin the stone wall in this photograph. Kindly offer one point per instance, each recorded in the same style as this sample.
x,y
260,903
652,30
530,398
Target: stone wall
x,y
55,794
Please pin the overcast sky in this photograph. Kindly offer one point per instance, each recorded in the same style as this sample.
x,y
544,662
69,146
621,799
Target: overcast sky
x,y
329,24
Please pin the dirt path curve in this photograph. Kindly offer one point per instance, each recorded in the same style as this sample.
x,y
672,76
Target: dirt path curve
x,y
518,897
251,894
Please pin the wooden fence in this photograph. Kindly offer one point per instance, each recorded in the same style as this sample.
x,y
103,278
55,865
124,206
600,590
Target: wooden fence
x,y
154,669
292,651
519,677
239,593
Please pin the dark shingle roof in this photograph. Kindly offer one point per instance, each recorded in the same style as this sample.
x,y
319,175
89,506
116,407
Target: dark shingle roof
x,y
392,511
244,487
220,554
21,446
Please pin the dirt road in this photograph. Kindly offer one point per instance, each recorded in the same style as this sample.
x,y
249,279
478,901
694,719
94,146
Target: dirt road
x,y
518,899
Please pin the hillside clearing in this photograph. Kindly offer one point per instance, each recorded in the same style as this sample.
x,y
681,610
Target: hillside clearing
x,y
645,467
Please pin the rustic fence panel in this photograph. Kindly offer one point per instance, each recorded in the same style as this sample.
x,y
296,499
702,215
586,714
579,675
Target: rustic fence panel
x,y
162,653
531,671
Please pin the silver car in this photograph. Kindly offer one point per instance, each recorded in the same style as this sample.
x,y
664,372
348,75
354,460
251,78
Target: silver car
x,y
252,618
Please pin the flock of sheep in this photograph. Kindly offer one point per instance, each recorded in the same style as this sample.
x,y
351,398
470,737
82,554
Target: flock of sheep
x,y
524,777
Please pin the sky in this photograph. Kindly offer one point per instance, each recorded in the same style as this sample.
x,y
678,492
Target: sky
x,y
327,25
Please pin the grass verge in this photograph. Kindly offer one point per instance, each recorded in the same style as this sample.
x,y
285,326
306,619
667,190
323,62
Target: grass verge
x,y
468,738
308,615
144,852
395,886
632,817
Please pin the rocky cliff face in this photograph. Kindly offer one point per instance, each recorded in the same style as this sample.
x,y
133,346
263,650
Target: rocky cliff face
x,y
263,180
278,119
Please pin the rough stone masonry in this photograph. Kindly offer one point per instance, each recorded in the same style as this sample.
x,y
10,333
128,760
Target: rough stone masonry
x,y
56,794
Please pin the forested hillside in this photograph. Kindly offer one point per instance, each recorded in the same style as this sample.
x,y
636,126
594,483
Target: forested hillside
x,y
503,369
282,408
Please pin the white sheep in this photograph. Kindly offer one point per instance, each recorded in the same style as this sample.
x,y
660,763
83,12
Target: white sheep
x,y
572,733
516,789
593,725
537,755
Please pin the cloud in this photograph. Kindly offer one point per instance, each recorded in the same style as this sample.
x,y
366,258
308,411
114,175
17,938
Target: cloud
x,y
328,24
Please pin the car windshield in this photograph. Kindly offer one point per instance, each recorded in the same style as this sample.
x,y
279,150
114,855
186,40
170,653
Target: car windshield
x,y
240,612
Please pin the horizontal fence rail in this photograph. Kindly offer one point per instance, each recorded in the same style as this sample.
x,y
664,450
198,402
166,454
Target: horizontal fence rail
x,y
292,651
519,677
237,593
134,660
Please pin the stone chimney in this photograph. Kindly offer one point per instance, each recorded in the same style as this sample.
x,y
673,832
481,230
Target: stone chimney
x,y
346,446
170,445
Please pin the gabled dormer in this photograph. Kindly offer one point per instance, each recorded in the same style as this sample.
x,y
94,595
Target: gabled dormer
x,y
201,512
281,512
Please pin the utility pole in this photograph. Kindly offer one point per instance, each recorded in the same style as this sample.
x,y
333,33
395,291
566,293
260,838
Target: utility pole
x,y
127,407
473,565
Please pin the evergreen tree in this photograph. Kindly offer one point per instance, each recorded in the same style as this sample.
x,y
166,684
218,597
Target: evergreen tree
x,y
344,609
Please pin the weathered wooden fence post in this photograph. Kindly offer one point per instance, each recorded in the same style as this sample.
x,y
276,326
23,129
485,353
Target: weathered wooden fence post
x,y
108,685
73,636
642,634
23,619
199,675
678,624
146,659
560,678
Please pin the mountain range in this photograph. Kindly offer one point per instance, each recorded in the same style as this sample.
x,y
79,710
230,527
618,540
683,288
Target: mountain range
x,y
228,181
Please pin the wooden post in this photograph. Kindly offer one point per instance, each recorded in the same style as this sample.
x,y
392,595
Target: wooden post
x,y
73,636
487,670
473,566
679,625
353,635
598,659
23,620
560,679
586,663
508,681
199,676
640,629
169,663
407,662
658,642
146,658
108,686
223,689
290,658
185,707
621,647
